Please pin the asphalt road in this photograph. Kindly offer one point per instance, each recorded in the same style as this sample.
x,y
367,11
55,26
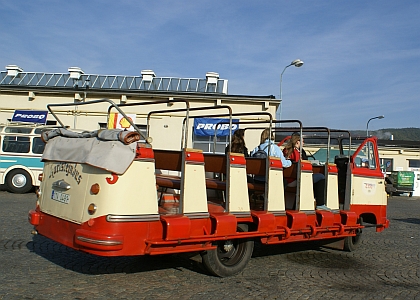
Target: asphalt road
x,y
386,266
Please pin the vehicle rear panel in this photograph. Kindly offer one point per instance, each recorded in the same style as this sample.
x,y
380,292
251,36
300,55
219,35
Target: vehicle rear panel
x,y
127,194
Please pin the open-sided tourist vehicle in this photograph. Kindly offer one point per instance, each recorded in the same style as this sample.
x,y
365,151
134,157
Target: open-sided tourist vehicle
x,y
112,193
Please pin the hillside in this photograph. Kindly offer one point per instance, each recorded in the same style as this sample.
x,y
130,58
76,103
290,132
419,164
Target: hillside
x,y
404,134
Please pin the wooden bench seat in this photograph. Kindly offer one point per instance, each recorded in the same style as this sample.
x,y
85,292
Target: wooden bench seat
x,y
216,163
318,169
168,159
174,182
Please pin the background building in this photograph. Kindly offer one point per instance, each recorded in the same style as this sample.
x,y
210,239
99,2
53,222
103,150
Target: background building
x,y
34,91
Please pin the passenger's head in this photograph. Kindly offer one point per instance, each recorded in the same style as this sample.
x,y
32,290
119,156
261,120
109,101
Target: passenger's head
x,y
291,144
266,135
365,163
296,138
240,133
238,136
238,142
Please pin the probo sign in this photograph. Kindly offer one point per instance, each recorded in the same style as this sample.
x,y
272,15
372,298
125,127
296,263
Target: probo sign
x,y
207,126
32,116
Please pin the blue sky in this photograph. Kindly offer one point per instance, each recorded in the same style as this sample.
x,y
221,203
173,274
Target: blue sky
x,y
361,58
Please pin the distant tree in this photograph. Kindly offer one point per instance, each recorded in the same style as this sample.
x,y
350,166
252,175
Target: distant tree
x,y
403,134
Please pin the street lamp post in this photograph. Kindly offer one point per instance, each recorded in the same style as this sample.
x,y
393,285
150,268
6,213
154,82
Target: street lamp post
x,y
297,63
367,124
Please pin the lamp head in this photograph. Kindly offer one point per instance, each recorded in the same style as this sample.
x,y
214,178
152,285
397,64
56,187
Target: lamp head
x,y
381,117
297,63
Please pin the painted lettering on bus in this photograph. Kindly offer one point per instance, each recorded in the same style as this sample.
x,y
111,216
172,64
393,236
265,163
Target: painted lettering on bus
x,y
369,186
68,169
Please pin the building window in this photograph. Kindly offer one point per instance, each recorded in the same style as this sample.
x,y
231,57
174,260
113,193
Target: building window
x,y
206,143
204,132
414,163
387,165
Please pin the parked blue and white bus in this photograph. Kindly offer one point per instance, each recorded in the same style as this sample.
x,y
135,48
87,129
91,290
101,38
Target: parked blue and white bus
x,y
21,149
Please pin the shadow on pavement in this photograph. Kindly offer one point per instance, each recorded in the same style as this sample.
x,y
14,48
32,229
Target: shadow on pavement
x,y
95,265
409,220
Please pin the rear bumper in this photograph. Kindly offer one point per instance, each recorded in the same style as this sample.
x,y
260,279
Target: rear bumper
x,y
93,236
96,241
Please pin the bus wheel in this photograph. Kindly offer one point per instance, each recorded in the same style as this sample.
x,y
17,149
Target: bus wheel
x,y
351,243
18,181
230,257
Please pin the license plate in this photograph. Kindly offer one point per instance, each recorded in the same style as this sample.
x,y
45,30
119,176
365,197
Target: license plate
x,y
60,197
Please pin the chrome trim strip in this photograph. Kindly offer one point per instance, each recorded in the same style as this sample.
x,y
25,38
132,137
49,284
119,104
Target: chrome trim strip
x,y
199,163
197,215
145,159
132,218
98,242
308,212
277,212
237,166
367,177
241,214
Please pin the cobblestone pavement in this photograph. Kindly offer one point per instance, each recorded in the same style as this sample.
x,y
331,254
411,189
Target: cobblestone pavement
x,y
386,266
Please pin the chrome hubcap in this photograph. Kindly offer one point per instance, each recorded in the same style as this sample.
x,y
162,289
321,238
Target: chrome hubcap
x,y
19,180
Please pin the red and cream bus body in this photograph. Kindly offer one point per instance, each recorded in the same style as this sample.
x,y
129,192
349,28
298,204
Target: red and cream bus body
x,y
110,193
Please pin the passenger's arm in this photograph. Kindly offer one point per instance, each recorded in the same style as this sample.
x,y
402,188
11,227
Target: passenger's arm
x,y
277,152
285,162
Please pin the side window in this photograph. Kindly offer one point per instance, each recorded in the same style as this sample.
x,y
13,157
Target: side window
x,y
38,145
366,158
16,144
26,130
371,155
39,130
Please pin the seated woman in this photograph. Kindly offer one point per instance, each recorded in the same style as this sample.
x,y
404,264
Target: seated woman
x,y
237,144
268,145
292,151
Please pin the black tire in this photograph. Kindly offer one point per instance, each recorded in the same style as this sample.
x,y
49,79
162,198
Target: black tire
x,y
19,181
230,257
351,243
410,194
